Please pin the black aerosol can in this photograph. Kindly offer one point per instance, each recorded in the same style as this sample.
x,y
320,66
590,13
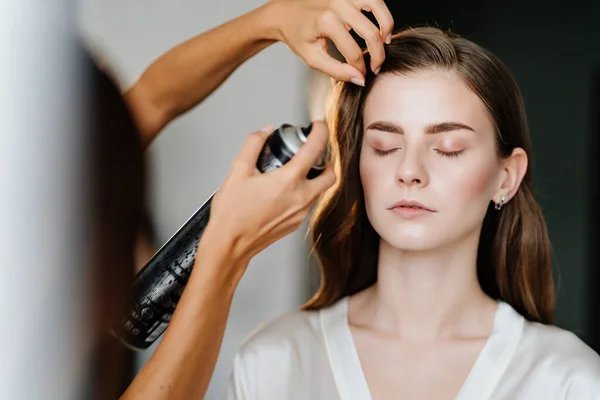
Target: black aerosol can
x,y
157,288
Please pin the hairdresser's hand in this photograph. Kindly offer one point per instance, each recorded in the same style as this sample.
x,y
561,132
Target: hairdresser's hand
x,y
251,209
305,26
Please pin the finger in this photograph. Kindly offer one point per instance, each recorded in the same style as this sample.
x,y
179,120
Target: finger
x,y
248,155
310,151
369,32
321,61
383,16
332,27
322,182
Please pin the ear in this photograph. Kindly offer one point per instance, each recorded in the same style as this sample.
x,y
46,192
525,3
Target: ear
x,y
513,171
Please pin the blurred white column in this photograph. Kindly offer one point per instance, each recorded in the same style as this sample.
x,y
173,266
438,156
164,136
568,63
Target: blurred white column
x,y
41,284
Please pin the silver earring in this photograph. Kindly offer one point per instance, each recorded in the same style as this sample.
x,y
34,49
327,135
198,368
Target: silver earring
x,y
498,206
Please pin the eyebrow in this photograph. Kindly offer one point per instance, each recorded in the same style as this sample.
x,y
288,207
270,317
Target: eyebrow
x,y
386,126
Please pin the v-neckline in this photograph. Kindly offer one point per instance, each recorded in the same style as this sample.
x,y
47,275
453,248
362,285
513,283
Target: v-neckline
x,y
490,365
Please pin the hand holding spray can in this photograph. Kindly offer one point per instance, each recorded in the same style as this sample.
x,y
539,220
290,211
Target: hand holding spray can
x,y
158,287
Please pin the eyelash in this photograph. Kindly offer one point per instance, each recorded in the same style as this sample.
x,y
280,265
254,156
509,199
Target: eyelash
x,y
442,153
384,152
449,153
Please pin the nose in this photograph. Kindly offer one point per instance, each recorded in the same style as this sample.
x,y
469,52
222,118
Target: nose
x,y
411,170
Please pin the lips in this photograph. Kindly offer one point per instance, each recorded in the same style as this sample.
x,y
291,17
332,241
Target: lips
x,y
410,205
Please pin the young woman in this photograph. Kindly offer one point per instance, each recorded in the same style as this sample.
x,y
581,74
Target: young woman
x,y
436,262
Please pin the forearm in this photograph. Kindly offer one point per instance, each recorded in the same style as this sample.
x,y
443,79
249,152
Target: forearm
x,y
188,73
183,363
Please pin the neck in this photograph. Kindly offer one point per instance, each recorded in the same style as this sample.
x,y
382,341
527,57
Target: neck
x,y
427,295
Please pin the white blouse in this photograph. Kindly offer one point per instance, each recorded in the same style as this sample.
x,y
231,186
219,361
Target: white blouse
x,y
312,356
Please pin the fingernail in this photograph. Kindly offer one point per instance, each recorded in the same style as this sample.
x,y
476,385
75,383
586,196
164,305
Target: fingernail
x,y
267,128
357,81
377,70
388,39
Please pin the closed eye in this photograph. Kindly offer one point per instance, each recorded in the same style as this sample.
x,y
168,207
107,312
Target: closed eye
x,y
449,153
384,152
440,152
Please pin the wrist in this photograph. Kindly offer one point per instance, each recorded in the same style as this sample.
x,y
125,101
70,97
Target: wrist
x,y
221,257
269,20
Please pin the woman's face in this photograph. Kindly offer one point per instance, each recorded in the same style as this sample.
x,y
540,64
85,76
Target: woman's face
x,y
428,140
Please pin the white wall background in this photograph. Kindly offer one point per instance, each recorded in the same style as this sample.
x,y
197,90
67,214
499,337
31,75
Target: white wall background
x,y
193,155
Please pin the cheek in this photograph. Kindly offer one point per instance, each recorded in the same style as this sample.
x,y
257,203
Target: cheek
x,y
474,184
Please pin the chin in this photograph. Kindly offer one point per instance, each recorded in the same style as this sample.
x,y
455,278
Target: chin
x,y
410,238
410,244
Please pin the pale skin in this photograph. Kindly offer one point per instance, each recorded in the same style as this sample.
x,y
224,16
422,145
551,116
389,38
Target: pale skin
x,y
182,365
420,328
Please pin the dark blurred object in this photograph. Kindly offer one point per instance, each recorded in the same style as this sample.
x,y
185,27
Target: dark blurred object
x,y
116,194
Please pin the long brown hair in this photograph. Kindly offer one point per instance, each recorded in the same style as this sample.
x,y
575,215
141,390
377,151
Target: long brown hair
x,y
514,261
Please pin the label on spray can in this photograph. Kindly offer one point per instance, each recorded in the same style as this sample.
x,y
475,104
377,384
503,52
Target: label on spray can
x,y
267,161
